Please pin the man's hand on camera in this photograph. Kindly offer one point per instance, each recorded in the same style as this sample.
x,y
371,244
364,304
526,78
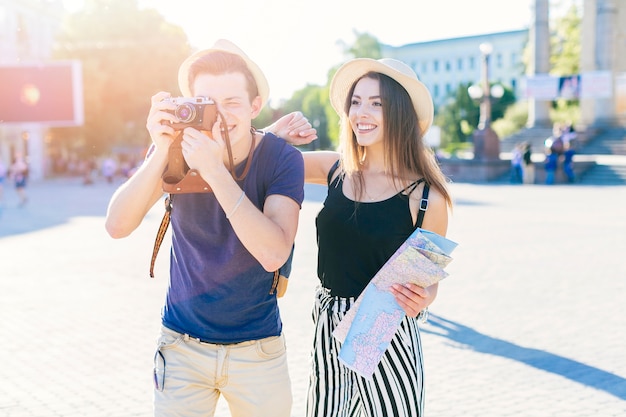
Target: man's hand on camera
x,y
203,153
158,122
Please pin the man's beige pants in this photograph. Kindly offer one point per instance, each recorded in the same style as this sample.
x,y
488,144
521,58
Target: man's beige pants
x,y
190,376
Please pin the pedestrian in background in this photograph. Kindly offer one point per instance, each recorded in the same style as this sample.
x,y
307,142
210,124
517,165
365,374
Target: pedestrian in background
x,y
528,169
555,143
568,161
550,165
109,169
19,173
3,175
382,185
517,157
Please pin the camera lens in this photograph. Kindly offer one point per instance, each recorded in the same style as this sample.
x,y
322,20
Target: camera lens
x,y
185,112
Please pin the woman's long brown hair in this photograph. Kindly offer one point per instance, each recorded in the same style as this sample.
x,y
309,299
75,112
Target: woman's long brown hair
x,y
407,158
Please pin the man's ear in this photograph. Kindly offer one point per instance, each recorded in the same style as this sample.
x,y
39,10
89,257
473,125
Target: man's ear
x,y
256,106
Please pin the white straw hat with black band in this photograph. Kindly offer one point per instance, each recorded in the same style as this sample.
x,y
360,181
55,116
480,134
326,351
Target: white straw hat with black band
x,y
352,70
224,46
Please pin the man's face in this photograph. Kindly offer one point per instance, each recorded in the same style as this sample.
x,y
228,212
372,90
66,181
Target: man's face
x,y
230,93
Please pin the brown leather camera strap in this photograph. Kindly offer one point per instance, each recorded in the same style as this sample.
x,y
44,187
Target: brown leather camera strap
x,y
165,222
249,160
275,282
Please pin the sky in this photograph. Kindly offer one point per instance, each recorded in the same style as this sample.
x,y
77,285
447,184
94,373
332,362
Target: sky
x,y
296,42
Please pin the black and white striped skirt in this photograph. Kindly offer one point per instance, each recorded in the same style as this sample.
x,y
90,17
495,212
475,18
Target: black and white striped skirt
x,y
396,388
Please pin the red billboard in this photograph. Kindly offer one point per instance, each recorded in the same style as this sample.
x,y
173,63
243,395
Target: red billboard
x,y
50,94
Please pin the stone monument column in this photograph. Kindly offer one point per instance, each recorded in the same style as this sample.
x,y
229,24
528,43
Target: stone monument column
x,y
538,110
598,49
605,49
33,134
588,58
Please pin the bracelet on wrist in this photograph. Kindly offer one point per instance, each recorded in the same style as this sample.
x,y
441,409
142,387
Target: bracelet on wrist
x,y
237,204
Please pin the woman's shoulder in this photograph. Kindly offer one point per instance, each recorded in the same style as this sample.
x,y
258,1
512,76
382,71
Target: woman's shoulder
x,y
436,199
418,188
436,214
318,165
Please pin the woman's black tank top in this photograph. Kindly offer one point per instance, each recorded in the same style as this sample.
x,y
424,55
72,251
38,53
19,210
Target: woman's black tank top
x,y
355,240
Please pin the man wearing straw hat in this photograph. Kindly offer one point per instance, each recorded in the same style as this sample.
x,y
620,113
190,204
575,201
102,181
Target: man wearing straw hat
x,y
221,332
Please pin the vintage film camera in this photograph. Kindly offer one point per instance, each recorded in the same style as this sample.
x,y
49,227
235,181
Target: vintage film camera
x,y
197,112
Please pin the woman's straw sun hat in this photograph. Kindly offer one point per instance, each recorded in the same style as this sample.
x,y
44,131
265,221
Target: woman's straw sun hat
x,y
352,70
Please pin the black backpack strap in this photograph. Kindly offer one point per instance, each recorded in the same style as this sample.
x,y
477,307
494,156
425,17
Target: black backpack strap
x,y
332,171
423,206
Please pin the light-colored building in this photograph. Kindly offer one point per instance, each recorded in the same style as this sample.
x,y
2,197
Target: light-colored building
x,y
444,64
27,31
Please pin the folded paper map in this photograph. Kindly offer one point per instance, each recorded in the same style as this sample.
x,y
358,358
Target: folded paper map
x,y
368,327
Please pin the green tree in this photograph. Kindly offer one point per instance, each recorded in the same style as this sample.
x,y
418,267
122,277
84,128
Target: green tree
x,y
127,56
266,117
457,118
315,106
365,46
565,43
460,116
565,48
500,105
313,99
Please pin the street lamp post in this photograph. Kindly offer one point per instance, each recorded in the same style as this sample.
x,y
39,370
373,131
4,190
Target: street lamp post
x,y
486,141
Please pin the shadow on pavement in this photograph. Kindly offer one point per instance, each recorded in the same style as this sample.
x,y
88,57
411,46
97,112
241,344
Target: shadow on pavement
x,y
540,359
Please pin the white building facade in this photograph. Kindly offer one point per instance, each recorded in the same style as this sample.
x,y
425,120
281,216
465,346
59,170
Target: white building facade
x,y
445,64
27,31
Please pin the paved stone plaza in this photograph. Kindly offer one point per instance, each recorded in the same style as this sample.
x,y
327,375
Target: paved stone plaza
x,y
529,323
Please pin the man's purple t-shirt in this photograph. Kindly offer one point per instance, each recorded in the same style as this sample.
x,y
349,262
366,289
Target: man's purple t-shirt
x,y
218,291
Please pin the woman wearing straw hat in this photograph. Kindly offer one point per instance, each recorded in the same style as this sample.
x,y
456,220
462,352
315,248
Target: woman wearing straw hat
x,y
383,183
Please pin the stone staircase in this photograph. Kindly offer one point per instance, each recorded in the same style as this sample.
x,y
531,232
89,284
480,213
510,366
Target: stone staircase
x,y
608,149
535,136
609,142
600,160
606,174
